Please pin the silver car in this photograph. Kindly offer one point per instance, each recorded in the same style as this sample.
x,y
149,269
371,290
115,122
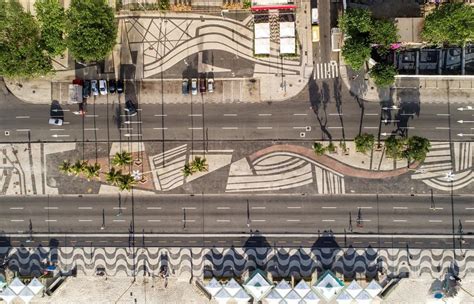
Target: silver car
x,y
94,89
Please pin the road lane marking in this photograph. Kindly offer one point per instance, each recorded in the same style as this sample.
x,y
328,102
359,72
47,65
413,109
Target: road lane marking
x,y
365,220
56,129
22,117
469,208
161,115
259,207
438,208
371,114
229,128
92,115
16,208
223,221
189,208
258,220
119,208
299,128
264,128
118,220
469,221
160,128
371,127
435,221
365,207
84,208
403,208
195,128
334,127
336,114
91,129
295,207
326,207
17,220
223,208
293,220
189,221
23,130
50,220
300,114
154,220
230,114
442,114
401,221
442,128
153,208
85,220
194,115
51,208
265,114
328,220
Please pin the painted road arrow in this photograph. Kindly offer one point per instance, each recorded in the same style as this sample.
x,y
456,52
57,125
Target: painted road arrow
x,y
59,135
466,108
465,121
130,135
386,120
462,134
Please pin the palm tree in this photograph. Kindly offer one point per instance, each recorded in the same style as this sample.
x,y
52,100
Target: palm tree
x,y
122,158
66,167
92,171
188,170
78,167
199,164
113,176
126,181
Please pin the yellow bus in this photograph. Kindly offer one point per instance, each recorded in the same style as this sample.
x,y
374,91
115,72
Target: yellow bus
x,y
315,30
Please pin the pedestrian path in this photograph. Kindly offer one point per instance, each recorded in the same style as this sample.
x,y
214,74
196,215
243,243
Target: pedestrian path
x,y
326,70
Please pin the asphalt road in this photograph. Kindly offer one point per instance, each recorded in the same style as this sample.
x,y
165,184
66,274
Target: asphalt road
x,y
286,219
275,121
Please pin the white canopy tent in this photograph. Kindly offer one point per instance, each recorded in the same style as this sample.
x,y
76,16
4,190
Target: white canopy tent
x,y
373,289
293,297
287,46
257,285
16,286
35,286
328,285
213,287
302,288
344,298
287,29
7,295
262,46
273,297
353,289
241,296
222,296
26,295
232,287
363,298
283,288
311,298
261,30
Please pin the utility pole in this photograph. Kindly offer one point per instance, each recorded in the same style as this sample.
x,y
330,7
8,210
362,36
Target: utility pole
x,y
248,214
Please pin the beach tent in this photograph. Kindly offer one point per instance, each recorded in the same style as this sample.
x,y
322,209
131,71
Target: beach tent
x,y
344,298
222,296
273,297
213,287
232,287
353,289
293,297
257,285
311,298
35,286
26,295
328,286
241,296
7,295
16,286
302,288
283,288
373,288
363,298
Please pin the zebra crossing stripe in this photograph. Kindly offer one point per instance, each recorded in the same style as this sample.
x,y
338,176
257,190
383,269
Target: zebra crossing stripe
x,y
326,70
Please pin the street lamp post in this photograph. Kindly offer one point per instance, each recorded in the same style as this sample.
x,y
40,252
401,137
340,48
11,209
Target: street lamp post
x,y
248,214
103,220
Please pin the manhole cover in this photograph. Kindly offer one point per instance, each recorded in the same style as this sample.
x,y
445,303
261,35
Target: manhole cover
x,y
7,133
308,128
302,134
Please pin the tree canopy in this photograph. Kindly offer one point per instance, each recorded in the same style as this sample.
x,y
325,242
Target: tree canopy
x,y
451,24
91,29
417,148
356,52
384,32
356,21
21,54
52,19
383,74
364,142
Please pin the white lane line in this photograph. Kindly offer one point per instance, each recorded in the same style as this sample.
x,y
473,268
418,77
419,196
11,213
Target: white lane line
x,y
326,207
230,114
119,208
189,208
442,114
92,115
469,221
85,220
328,220
161,115
154,221
153,208
223,221
336,114
300,114
265,114
223,208
264,128
442,128
229,128
23,130
295,207
435,221
56,129
259,207
17,220
188,221
84,208
91,129
371,114
160,128
469,208
196,128
364,207
258,220
403,208
22,117
118,220
50,220
438,208
194,115
371,127
293,220
365,220
334,127
399,221
51,208
16,208
299,128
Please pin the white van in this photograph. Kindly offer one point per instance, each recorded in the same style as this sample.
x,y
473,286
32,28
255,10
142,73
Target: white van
x,y
336,39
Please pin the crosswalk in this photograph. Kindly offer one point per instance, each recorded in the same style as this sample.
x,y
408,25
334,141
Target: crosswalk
x,y
326,70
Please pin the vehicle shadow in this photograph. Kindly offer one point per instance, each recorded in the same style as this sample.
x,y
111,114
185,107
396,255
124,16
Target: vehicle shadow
x,y
56,110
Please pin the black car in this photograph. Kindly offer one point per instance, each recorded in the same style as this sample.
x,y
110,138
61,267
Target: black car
x,y
86,89
120,86
185,87
130,108
112,86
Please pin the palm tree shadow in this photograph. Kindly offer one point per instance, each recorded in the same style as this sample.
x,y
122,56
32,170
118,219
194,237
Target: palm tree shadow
x,y
319,97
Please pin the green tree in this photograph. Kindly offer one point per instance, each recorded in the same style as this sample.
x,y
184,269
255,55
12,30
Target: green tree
x,y
122,158
164,5
383,74
52,19
384,32
451,24
126,182
78,167
113,176
356,21
364,142
66,167
394,147
417,148
21,54
356,52
91,29
331,148
188,170
199,164
92,171
247,4
318,148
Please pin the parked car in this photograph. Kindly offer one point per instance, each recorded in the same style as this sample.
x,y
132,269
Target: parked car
x,y
120,87
94,88
185,87
112,86
86,89
103,87
210,85
130,108
194,89
202,84
56,121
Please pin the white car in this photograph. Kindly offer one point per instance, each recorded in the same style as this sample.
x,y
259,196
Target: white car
x,y
210,85
103,87
194,86
56,121
94,89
